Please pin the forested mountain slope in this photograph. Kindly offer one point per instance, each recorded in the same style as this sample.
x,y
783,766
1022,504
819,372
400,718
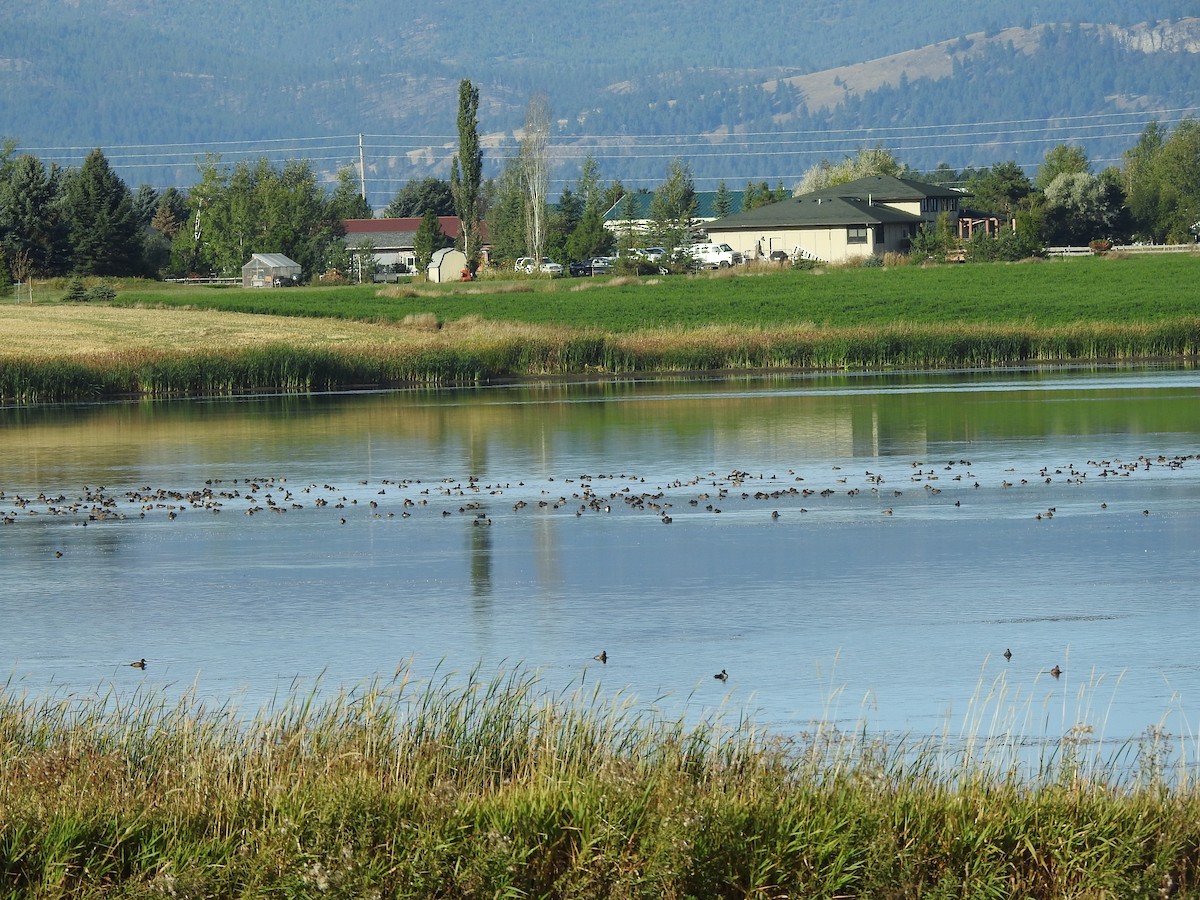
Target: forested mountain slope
x,y
753,91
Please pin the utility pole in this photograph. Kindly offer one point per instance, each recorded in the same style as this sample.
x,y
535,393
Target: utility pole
x,y
362,167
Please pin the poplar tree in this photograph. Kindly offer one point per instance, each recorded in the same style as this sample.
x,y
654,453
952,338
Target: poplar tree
x,y
466,172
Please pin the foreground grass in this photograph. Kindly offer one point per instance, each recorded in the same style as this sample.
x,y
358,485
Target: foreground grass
x,y
195,340
493,788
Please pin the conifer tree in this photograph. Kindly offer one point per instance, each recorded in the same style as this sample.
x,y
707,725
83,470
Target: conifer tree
x,y
106,236
722,202
428,240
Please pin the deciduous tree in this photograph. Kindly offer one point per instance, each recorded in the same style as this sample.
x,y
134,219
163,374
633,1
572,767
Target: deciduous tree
x,y
872,161
347,201
418,196
1059,160
535,171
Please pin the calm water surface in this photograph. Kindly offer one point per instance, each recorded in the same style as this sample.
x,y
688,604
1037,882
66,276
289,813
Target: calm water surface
x,y
849,548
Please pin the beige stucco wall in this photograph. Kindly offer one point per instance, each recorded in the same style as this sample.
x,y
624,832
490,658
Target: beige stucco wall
x,y
829,244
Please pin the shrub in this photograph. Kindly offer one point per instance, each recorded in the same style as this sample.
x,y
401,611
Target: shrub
x,y
102,293
76,292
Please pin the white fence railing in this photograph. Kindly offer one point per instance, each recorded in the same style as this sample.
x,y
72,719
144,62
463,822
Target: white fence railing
x,y
1159,248
1126,248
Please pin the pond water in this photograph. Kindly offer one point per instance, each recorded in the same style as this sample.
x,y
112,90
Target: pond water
x,y
853,548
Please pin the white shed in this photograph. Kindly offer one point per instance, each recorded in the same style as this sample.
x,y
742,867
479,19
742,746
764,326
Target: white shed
x,y
447,265
270,270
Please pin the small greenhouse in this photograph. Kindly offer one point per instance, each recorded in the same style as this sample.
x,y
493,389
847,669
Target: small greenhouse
x,y
270,270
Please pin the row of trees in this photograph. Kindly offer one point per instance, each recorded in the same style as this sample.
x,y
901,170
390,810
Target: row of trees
x,y
89,222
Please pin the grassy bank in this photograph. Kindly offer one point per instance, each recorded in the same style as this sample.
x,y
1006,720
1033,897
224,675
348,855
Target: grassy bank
x,y
496,789
165,340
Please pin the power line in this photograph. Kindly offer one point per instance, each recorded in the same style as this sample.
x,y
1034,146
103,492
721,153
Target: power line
x,y
386,155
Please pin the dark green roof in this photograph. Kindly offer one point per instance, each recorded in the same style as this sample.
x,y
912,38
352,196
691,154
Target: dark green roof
x,y
856,202
887,188
811,211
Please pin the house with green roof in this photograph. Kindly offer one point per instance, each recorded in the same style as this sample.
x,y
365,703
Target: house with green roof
x,y
868,216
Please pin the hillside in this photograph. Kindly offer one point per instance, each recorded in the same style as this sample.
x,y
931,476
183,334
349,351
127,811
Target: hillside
x,y
832,87
760,96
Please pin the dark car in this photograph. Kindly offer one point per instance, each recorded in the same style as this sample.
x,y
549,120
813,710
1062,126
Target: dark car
x,y
597,265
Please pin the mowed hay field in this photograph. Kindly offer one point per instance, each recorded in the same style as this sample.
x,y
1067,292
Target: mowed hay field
x,y
59,330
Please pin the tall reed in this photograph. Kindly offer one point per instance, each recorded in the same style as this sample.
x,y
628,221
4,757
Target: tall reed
x,y
461,786
478,353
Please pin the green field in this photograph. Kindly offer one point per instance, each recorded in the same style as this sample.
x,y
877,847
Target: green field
x,y
1133,289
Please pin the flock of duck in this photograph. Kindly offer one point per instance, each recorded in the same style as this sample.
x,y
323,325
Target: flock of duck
x,y
479,501
582,495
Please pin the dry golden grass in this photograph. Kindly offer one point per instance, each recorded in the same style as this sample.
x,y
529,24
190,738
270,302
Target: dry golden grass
x,y
82,331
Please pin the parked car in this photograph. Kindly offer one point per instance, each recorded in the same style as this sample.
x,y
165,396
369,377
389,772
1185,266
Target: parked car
x,y
654,254
597,265
529,265
714,256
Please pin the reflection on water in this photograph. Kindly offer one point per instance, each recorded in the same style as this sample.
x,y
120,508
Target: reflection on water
x,y
846,546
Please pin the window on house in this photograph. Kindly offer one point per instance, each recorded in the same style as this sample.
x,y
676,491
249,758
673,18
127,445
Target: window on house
x,y
879,234
856,235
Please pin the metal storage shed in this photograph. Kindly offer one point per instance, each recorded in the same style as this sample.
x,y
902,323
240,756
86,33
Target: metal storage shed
x,y
270,270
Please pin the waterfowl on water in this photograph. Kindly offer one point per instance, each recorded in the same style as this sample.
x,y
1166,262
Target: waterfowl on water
x,y
1007,653
722,675
139,664
1056,671
602,656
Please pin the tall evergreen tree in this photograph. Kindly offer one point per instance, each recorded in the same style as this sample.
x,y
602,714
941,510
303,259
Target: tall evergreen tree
x,y
32,226
466,172
506,215
106,237
722,202
428,240
673,208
